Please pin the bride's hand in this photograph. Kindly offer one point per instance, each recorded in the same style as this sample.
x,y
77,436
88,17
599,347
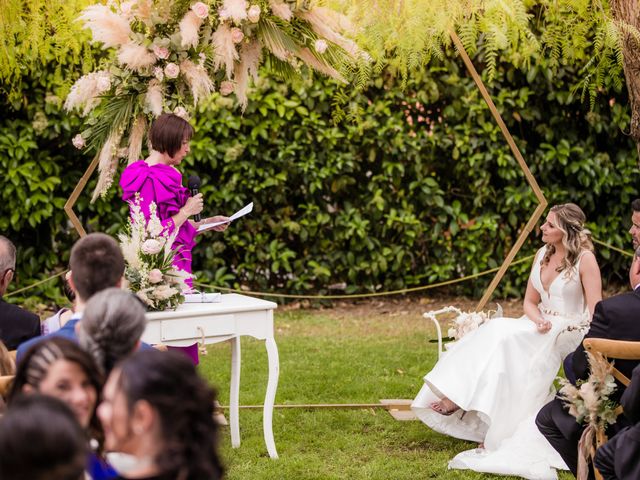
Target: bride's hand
x,y
543,325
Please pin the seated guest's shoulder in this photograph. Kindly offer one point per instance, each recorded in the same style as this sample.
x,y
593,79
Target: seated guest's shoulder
x,y
11,311
17,325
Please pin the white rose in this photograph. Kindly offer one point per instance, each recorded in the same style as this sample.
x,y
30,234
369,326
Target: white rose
x,y
321,46
172,70
181,112
103,83
254,13
78,141
158,73
200,9
236,35
155,276
161,52
226,88
151,246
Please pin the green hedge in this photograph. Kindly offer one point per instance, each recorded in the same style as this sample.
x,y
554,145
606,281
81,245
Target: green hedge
x,y
421,188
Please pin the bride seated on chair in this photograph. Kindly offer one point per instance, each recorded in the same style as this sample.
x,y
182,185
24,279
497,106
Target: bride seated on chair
x,y
490,384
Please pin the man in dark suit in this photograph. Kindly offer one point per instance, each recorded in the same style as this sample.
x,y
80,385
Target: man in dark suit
x,y
16,325
616,318
618,458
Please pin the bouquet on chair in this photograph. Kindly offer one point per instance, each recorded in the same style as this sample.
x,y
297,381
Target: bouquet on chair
x,y
149,271
590,404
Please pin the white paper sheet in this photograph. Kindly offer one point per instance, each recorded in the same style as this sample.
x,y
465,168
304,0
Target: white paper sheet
x,y
240,213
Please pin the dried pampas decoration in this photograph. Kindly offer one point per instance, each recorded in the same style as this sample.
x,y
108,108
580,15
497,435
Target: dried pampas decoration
x,y
189,27
135,56
107,165
311,60
153,99
197,79
135,138
225,50
281,9
86,91
107,27
249,62
321,19
235,9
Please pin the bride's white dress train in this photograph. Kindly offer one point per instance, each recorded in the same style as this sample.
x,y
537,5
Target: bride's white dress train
x,y
501,375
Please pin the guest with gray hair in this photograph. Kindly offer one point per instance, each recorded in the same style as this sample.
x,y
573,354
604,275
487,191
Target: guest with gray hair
x,y
113,323
16,324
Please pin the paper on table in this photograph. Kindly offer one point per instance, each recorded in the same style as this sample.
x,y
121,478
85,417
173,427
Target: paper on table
x,y
240,213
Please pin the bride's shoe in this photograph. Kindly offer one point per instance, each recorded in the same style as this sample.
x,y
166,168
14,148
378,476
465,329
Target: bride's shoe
x,y
445,407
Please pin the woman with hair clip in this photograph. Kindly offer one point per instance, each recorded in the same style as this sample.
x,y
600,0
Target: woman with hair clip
x,y
157,179
156,408
489,385
58,367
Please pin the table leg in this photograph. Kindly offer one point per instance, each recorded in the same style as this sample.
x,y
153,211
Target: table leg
x,y
272,385
234,410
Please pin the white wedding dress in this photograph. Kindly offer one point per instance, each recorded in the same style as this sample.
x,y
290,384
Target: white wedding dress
x,y
501,375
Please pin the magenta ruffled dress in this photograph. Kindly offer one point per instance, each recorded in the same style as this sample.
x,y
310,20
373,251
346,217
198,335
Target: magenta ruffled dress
x,y
162,184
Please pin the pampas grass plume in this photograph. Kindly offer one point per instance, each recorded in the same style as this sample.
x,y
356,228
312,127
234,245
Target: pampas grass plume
x,y
236,9
189,26
135,138
107,27
281,9
198,80
135,56
107,165
310,59
153,99
225,50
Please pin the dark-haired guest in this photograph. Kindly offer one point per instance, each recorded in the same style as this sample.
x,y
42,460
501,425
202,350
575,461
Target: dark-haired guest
x,y
111,327
157,179
619,458
16,324
96,263
60,368
157,408
41,439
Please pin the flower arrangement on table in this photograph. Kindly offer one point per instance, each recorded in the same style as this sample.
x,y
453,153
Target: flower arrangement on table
x,y
590,404
167,55
146,247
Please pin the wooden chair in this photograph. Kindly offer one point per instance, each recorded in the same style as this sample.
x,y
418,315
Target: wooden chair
x,y
612,350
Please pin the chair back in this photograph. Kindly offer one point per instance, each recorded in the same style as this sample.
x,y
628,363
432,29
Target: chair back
x,y
5,384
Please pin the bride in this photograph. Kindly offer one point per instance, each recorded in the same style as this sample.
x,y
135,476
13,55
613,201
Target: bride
x,y
489,385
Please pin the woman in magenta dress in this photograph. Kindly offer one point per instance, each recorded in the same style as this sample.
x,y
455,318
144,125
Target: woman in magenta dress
x,y
156,179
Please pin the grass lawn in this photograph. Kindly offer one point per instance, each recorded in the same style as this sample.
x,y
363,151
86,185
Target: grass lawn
x,y
348,354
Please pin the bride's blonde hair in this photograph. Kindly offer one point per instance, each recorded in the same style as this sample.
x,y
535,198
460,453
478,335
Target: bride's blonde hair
x,y
576,238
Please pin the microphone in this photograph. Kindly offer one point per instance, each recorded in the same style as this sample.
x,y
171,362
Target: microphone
x,y
194,186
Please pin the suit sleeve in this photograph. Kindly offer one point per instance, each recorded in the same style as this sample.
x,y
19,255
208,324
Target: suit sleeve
x,y
598,329
630,400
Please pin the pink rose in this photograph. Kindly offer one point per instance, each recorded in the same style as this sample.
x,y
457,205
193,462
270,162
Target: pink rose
x,y
321,46
254,13
78,141
155,276
200,9
226,88
161,52
236,35
172,70
151,246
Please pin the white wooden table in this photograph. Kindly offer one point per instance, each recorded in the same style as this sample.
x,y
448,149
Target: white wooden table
x,y
235,315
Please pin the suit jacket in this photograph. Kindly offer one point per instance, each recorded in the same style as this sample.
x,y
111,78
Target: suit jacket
x,y
17,325
616,318
630,400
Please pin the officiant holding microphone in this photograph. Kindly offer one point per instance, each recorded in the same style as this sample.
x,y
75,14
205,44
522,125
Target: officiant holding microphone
x,y
157,179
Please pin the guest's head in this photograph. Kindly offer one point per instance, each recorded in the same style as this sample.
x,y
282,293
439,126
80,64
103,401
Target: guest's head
x,y
635,223
7,263
565,227
170,134
40,439
155,406
111,326
634,271
96,263
61,368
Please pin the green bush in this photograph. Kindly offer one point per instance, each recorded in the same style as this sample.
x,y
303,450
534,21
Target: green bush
x,y
421,188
